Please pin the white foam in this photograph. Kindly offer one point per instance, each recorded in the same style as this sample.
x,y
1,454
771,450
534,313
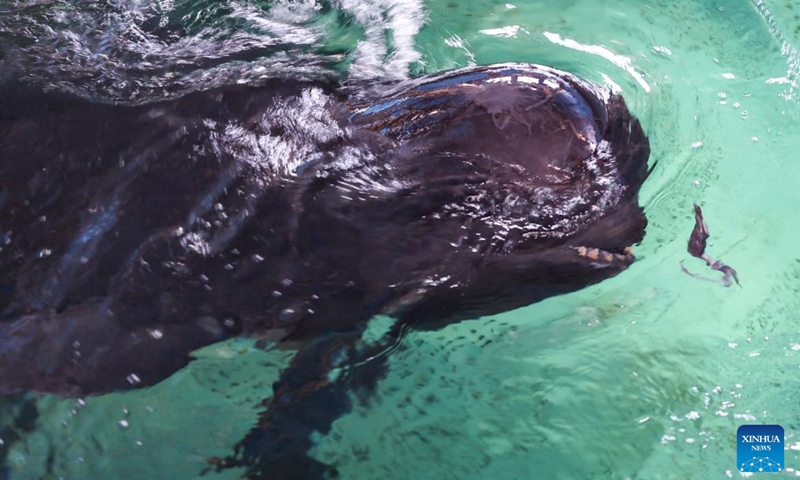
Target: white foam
x,y
403,18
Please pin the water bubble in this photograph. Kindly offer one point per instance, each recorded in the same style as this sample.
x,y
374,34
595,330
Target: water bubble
x,y
745,416
286,315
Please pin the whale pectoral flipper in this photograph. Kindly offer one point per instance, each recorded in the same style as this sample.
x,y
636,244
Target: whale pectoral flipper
x,y
86,350
313,391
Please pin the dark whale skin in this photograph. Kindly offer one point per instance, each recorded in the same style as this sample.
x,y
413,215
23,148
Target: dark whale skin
x,y
294,212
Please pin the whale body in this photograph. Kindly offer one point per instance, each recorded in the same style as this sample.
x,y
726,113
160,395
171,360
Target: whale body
x,y
294,212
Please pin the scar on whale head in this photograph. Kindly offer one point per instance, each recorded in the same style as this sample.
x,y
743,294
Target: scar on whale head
x,y
293,213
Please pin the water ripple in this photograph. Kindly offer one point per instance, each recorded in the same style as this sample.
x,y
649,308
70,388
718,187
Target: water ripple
x,y
148,50
787,49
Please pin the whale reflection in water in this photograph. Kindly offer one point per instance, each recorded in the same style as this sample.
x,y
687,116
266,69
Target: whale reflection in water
x,y
293,213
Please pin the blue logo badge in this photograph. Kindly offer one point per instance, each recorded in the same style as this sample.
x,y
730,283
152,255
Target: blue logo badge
x,y
759,448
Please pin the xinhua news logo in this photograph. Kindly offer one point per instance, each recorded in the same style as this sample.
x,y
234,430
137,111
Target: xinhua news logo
x,y
759,448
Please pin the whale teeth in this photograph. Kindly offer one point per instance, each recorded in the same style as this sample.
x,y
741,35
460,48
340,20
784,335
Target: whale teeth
x,y
598,254
592,253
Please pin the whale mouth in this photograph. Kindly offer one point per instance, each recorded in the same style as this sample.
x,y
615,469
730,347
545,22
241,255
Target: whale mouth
x,y
624,255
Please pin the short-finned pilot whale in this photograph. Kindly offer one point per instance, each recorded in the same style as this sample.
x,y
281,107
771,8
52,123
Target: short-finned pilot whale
x,y
294,212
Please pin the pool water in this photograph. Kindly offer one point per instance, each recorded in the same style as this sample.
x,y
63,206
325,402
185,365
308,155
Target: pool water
x,y
644,376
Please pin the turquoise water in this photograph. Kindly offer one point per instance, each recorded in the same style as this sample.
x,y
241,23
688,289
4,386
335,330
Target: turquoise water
x,y
645,376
